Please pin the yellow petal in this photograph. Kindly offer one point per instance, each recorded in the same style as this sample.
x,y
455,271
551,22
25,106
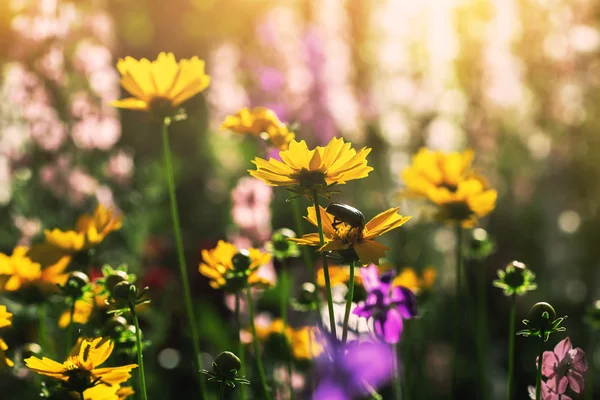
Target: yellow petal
x,y
369,251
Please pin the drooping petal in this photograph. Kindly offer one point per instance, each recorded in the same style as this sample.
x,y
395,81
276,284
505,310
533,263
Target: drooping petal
x,y
575,381
370,276
562,348
405,301
549,361
370,251
388,326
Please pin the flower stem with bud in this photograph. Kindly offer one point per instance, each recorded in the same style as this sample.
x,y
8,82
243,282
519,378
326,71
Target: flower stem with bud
x,y
457,316
259,366
538,380
140,356
284,281
240,344
325,267
180,254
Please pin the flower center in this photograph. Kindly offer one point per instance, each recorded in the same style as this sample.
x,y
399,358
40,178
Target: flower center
x,y
348,234
457,210
450,187
311,179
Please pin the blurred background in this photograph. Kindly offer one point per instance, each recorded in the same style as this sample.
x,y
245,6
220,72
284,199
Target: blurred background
x,y
516,80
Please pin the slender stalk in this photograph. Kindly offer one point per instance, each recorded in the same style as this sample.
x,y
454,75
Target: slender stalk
x,y
284,281
81,395
70,327
482,326
348,303
407,344
222,391
259,365
457,314
140,355
241,351
189,308
300,231
589,389
325,267
397,379
511,347
538,380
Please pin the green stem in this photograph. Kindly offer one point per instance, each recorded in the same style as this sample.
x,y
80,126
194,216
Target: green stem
x,y
222,391
511,347
325,267
70,327
140,356
482,325
397,379
259,365
241,351
300,231
457,313
407,344
189,308
538,380
348,303
81,395
284,281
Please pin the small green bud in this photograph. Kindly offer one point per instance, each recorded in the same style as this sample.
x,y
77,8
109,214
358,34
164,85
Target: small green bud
x,y
241,261
114,326
227,365
541,316
124,292
308,294
515,275
114,278
76,282
30,350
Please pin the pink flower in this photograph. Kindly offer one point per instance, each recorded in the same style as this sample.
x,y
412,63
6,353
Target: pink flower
x,y
120,167
547,393
564,367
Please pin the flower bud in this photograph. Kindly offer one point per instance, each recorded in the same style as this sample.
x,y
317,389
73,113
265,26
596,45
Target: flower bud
x,y
30,350
114,278
124,292
115,326
76,282
227,365
308,294
515,274
541,316
281,247
241,261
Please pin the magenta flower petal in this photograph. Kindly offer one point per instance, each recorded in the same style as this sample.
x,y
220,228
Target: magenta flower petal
x,y
549,361
389,326
370,276
579,361
330,389
575,381
562,348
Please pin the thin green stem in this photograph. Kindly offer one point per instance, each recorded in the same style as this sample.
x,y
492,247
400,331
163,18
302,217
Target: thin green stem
x,y
482,326
285,298
538,380
300,231
187,295
511,347
325,267
140,355
407,344
348,303
81,395
222,391
397,379
241,352
259,365
457,313
70,327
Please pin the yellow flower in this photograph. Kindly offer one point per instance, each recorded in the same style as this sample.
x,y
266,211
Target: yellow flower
x,y
125,392
346,237
304,171
83,312
448,181
275,327
409,279
306,343
233,269
90,231
5,317
338,275
160,85
260,122
5,320
18,270
102,392
82,364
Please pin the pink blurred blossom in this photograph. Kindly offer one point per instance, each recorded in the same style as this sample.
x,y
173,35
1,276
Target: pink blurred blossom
x,y
251,211
94,132
29,227
120,167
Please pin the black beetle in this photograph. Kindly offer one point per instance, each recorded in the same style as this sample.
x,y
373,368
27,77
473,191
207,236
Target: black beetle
x,y
345,213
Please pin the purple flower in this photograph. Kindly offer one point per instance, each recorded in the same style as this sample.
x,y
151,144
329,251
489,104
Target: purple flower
x,y
564,367
353,370
387,305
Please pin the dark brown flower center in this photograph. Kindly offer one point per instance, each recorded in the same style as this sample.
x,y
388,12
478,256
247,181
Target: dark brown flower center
x,y
311,179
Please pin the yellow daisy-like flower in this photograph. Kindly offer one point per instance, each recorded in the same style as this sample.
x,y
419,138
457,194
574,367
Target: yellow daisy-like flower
x,y
5,320
305,171
102,392
360,240
260,122
233,269
83,312
448,181
90,231
160,85
82,364
409,279
338,275
125,392
306,343
17,270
